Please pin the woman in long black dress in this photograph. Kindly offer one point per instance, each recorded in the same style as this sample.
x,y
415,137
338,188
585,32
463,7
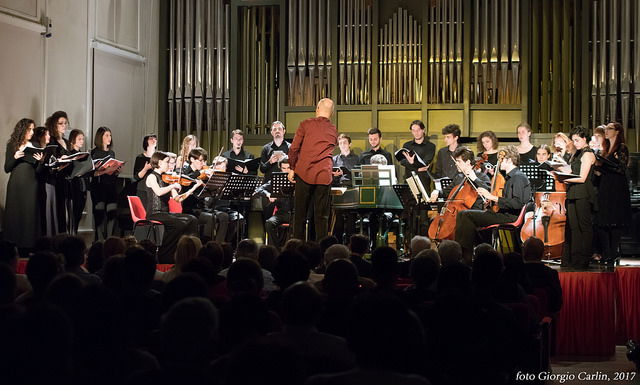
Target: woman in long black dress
x,y
57,125
21,216
614,202
581,197
46,186
142,165
80,184
103,187
158,195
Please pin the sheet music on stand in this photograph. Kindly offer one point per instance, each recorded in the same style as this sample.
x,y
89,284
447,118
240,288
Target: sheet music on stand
x,y
241,187
216,183
540,179
443,184
281,186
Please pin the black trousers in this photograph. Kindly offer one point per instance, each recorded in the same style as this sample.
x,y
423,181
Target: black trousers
x,y
469,220
175,226
578,234
319,197
276,237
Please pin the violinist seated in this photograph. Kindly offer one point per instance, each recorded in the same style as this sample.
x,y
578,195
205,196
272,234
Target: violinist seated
x,y
467,171
195,169
280,209
214,214
158,194
515,195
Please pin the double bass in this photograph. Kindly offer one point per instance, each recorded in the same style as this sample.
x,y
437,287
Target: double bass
x,y
461,198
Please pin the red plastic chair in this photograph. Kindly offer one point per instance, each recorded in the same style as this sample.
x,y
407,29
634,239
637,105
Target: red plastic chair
x,y
505,236
139,217
175,207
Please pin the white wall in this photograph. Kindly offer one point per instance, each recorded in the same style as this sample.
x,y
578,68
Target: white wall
x,y
100,66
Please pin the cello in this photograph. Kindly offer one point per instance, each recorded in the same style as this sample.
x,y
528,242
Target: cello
x,y
547,222
497,183
461,198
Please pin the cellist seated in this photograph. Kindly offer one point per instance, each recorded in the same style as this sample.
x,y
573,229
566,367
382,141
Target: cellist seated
x,y
516,193
463,158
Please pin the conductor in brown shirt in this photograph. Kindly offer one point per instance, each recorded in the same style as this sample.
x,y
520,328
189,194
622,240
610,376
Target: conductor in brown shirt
x,y
311,166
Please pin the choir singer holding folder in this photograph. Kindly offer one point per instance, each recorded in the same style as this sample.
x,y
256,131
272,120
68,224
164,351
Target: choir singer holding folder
x,y
311,169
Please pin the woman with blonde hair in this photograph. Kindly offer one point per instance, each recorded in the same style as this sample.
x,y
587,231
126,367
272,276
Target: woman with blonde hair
x,y
188,143
563,147
187,249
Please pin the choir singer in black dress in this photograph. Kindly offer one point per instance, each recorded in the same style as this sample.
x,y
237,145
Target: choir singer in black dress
x,y
21,216
581,197
103,187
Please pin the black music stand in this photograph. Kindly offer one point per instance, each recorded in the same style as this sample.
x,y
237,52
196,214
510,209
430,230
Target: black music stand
x,y
540,179
281,187
216,183
240,188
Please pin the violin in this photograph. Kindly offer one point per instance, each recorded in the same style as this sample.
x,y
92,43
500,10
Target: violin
x,y
183,180
497,183
547,222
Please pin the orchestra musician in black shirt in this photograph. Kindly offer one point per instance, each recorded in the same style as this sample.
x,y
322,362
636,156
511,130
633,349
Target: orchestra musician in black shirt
x,y
515,195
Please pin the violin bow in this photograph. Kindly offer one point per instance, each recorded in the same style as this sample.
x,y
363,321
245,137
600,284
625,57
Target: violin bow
x,y
204,186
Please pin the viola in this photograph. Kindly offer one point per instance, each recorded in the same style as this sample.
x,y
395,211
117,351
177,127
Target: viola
x,y
547,222
175,178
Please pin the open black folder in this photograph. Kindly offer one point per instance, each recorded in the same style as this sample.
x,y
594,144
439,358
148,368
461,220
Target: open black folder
x,y
251,165
400,157
47,151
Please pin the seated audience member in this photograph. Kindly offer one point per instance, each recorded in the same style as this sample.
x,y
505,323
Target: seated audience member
x,y
95,257
384,268
321,352
113,246
359,246
268,257
334,252
424,271
513,284
419,243
457,350
541,275
340,286
74,251
186,250
291,268
104,355
245,276
450,252
7,285
64,291
9,257
142,305
327,241
186,285
313,254
248,249
188,335
42,268
388,342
